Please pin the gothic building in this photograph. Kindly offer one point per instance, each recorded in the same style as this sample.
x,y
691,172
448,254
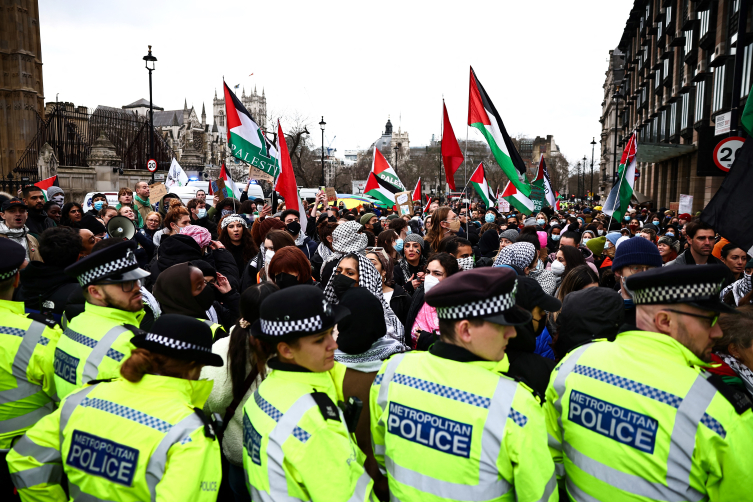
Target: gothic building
x,y
255,104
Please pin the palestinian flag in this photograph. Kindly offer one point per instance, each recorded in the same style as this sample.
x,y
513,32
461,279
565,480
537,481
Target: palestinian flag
x,y
47,183
517,199
417,191
384,171
428,204
230,189
478,180
245,138
618,201
542,181
285,184
381,190
484,116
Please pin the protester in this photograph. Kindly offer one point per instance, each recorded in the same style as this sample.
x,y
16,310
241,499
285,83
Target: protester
x,y
71,214
292,220
14,215
175,219
345,239
521,257
289,267
444,222
508,237
701,239
398,299
237,239
566,259
106,214
53,210
669,248
324,249
152,223
410,270
99,202
392,245
141,202
735,258
38,221
198,213
422,318
734,350
580,277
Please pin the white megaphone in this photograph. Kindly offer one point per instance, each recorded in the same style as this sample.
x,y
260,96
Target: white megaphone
x,y
120,227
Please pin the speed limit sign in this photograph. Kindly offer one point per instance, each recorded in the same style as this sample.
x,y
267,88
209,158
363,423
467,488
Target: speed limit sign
x,y
151,165
726,151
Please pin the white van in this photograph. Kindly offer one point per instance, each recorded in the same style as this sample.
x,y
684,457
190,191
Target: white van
x,y
188,192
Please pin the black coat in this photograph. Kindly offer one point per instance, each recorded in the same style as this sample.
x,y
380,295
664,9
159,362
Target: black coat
x,y
400,303
45,288
525,365
38,222
417,301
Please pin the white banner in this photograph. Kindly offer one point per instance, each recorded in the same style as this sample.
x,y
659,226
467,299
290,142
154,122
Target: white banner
x,y
686,204
503,206
176,175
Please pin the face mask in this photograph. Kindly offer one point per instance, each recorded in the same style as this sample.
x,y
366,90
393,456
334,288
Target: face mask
x,y
225,212
584,240
624,286
555,237
541,221
455,226
399,244
294,228
341,283
377,228
555,222
59,199
408,231
99,204
465,263
601,232
285,280
655,222
202,212
489,218
627,218
429,282
558,268
669,234
268,255
205,298
539,265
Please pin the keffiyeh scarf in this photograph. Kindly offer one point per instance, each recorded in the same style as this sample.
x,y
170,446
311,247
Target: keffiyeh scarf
x,y
371,360
745,374
519,255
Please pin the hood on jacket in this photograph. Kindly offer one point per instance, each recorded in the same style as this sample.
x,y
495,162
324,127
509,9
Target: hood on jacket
x,y
176,249
587,315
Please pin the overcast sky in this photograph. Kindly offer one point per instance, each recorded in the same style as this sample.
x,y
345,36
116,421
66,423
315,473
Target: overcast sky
x,y
542,62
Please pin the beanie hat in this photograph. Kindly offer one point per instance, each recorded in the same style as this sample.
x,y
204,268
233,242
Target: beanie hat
x,y
53,190
621,240
414,238
200,234
542,238
366,217
636,251
530,222
671,242
511,235
613,237
596,245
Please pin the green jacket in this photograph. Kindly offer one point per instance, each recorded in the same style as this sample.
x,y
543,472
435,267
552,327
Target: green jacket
x,y
93,346
447,425
122,441
636,419
27,384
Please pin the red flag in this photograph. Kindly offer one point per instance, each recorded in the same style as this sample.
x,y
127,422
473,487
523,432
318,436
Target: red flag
x,y
286,185
47,182
417,190
452,157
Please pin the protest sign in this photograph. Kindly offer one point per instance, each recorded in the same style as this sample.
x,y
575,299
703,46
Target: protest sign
x,y
156,192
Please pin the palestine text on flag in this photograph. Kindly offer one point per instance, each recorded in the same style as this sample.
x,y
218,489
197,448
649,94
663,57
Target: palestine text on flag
x,y
285,184
618,201
517,199
245,138
381,190
543,183
452,157
384,171
484,116
478,180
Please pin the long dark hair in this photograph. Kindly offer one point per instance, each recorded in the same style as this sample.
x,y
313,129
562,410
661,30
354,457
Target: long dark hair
x,y
237,352
250,249
66,209
573,258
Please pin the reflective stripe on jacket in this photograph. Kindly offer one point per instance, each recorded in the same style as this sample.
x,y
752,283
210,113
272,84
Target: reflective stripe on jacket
x,y
635,419
27,386
444,429
122,441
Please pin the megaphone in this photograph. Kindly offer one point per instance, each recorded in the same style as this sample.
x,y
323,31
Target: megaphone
x,y
120,227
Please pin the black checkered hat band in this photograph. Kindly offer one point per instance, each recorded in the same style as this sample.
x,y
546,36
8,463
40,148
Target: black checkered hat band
x,y
677,294
489,306
174,344
279,328
9,274
125,264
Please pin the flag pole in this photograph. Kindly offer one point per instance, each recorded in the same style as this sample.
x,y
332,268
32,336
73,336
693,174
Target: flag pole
x,y
616,196
465,174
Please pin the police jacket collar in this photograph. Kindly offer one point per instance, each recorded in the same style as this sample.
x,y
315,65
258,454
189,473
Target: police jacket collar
x,y
113,314
453,352
276,364
195,392
14,307
661,344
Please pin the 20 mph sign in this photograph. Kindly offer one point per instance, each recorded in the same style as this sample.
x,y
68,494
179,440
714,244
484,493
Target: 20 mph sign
x,y
151,165
726,151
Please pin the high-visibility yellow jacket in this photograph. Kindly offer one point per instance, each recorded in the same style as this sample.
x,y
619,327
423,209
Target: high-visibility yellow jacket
x,y
122,441
27,384
93,346
218,331
447,425
290,450
636,419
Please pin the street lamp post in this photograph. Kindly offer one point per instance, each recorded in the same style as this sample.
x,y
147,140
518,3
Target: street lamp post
x,y
585,163
150,59
593,145
321,125
577,179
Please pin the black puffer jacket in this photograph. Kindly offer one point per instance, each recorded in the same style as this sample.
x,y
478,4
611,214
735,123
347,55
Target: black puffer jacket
x,y
45,288
400,303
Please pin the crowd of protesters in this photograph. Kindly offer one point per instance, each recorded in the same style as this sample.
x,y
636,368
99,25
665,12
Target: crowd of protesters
x,y
218,260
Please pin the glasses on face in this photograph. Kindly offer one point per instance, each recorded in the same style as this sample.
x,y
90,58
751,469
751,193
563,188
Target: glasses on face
x,y
712,318
640,268
75,211
456,218
126,286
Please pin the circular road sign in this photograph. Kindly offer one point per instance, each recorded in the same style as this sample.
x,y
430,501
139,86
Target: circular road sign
x,y
726,151
151,165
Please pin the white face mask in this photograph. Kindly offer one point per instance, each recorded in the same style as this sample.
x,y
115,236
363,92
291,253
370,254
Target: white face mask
x,y
558,268
465,263
429,282
268,255
584,240
58,199
601,232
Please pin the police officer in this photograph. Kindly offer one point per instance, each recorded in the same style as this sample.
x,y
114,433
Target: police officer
x,y
96,342
640,418
296,441
447,424
27,387
140,437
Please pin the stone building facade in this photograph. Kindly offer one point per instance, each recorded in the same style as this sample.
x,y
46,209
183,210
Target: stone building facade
x,y
610,133
21,83
679,75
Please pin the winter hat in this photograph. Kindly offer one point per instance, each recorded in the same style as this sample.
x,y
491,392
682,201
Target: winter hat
x,y
613,237
530,222
358,332
636,251
621,240
366,217
53,190
518,255
92,224
346,239
414,238
511,235
200,234
542,238
671,242
596,245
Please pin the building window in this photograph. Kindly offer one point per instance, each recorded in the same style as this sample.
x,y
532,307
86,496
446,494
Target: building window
x,y
699,95
668,15
658,34
685,111
666,68
688,41
735,6
718,100
663,126
655,129
658,79
747,58
673,118
704,18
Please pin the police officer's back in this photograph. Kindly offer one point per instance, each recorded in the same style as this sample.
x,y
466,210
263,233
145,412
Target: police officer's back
x,y
639,418
447,424
96,342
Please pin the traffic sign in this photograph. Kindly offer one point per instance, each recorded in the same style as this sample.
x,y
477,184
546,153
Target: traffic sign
x,y
726,151
151,165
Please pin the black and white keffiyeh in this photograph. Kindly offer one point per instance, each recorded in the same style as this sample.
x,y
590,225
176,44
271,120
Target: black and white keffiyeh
x,y
745,374
371,360
369,278
519,255
346,239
